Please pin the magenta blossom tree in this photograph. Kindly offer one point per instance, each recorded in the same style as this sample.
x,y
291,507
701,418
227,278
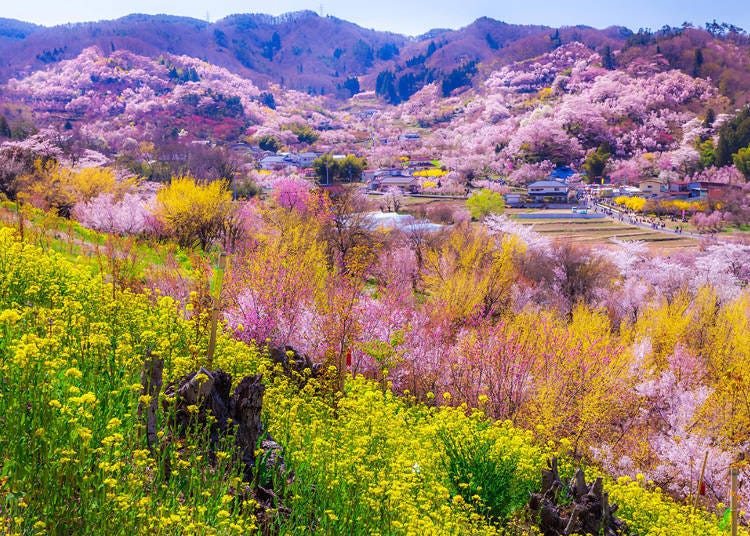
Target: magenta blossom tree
x,y
293,192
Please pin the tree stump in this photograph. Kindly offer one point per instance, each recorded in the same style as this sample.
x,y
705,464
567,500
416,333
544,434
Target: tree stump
x,y
202,399
295,365
204,391
587,509
246,404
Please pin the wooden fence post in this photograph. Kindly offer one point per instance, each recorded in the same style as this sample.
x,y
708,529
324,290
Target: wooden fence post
x,y
151,380
19,210
217,282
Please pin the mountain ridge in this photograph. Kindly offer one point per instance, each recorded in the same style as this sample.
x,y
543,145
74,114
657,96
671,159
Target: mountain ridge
x,y
332,57
299,50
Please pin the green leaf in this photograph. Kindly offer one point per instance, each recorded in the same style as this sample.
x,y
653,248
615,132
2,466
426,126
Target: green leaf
x,y
726,519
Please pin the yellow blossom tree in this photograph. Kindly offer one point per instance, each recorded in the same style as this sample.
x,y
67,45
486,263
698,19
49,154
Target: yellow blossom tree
x,y
636,204
470,274
52,186
195,214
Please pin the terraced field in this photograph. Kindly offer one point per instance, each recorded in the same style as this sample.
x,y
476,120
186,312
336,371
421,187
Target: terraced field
x,y
602,231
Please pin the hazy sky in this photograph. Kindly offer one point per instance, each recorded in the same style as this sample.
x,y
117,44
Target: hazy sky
x,y
410,17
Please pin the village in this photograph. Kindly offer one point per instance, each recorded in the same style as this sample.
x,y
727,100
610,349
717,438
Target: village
x,y
561,188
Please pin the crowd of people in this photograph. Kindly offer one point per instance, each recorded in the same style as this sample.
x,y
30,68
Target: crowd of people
x,y
657,223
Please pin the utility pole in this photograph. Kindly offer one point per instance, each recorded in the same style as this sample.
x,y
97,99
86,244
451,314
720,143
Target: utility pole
x,y
733,499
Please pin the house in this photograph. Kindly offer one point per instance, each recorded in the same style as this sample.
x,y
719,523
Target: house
x,y
514,200
372,176
548,191
393,172
627,191
406,183
421,163
561,173
305,160
240,147
278,161
678,186
650,186
410,136
712,191
673,195
364,114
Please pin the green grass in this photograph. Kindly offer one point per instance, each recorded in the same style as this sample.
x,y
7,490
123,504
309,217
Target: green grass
x,y
79,244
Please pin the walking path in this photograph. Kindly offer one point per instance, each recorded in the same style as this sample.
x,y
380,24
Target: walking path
x,y
650,223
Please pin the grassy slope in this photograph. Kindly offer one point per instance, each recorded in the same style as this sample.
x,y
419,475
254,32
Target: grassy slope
x,y
74,459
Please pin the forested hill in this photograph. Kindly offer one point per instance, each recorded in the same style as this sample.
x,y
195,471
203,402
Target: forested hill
x,y
327,55
298,50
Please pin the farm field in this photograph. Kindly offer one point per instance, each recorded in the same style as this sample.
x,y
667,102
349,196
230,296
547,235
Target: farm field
x,y
602,231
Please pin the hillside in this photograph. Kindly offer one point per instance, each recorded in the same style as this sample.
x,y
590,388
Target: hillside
x,y
329,56
450,58
258,46
14,30
300,50
719,53
79,456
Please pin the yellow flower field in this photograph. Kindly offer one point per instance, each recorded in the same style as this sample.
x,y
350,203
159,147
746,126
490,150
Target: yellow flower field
x,y
74,458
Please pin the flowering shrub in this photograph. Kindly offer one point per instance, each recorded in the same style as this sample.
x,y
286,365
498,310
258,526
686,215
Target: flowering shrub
x,y
293,193
433,173
706,223
636,204
194,213
679,206
647,512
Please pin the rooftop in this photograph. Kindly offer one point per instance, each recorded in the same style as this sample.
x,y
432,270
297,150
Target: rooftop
x,y
547,184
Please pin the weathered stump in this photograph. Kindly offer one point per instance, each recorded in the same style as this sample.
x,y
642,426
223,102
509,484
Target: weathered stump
x,y
295,365
201,400
195,398
587,509
246,404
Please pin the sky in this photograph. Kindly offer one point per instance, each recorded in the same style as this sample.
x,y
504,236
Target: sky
x,y
412,17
